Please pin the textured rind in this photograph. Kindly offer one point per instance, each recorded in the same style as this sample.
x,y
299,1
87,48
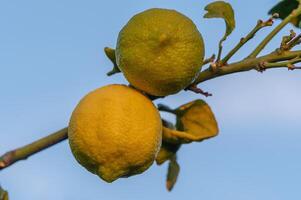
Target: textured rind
x,y
115,131
160,51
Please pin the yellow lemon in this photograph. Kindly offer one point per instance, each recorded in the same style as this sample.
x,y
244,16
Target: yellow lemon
x,y
115,131
160,51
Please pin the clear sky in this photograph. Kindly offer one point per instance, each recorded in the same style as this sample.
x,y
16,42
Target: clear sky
x,y
51,54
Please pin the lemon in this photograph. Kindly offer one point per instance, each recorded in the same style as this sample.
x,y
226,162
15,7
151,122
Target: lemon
x,y
160,51
115,131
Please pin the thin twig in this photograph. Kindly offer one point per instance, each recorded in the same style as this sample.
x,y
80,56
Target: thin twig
x,y
198,90
269,37
246,65
24,152
208,60
294,42
260,24
289,64
220,48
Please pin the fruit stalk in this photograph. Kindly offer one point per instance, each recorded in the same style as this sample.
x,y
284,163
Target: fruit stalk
x,y
24,152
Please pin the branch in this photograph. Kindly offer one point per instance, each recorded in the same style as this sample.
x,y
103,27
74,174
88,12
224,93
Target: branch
x,y
260,24
198,90
250,64
24,152
269,37
209,60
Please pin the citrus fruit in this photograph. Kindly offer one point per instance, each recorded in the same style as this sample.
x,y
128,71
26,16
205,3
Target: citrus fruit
x,y
160,51
115,131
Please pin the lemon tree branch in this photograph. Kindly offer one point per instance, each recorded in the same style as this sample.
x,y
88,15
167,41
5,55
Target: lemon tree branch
x,y
260,24
276,59
269,37
272,60
24,152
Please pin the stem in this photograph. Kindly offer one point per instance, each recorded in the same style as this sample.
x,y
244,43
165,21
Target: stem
x,y
220,48
260,24
269,37
24,152
246,65
289,64
162,107
208,60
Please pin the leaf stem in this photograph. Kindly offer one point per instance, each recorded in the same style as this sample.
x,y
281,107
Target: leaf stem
x,y
24,152
165,108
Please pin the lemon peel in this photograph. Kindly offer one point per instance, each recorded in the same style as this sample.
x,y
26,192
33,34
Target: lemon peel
x,y
115,131
160,51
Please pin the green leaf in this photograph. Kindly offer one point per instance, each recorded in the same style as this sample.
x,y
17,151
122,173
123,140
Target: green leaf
x,y
172,173
3,194
197,119
195,122
221,9
284,8
110,53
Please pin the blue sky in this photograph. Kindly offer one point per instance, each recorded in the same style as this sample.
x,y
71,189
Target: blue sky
x,y
51,54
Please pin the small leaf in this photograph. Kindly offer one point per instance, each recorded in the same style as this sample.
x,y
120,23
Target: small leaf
x,y
197,119
195,122
221,9
110,53
172,173
3,194
284,8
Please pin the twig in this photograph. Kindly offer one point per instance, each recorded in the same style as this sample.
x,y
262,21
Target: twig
x,y
260,24
246,65
289,64
220,48
197,90
294,42
269,37
208,60
24,152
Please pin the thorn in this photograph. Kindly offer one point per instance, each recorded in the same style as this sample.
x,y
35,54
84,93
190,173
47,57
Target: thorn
x,y
197,90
